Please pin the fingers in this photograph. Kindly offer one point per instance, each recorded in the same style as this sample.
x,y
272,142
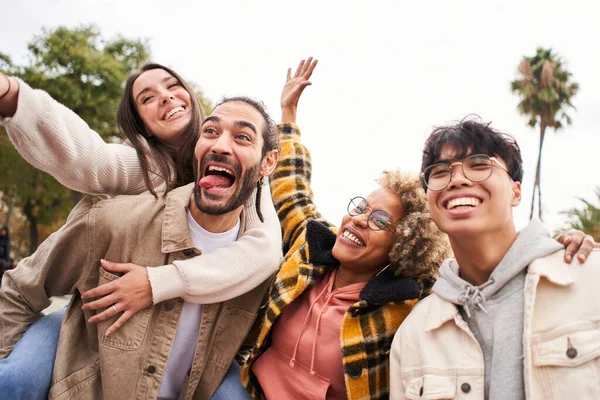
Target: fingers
x,y
100,291
587,245
116,267
564,239
310,68
104,302
573,244
289,75
299,69
104,315
578,244
305,69
119,322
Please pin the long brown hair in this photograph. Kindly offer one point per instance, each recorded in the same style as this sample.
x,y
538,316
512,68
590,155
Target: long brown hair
x,y
173,164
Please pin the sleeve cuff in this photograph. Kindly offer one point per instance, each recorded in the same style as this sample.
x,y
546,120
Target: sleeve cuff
x,y
28,104
288,129
166,282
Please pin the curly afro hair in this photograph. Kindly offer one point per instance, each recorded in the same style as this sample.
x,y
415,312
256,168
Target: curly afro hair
x,y
419,246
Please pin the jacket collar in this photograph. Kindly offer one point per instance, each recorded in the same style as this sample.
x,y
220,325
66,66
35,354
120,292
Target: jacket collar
x,y
553,268
175,229
383,288
440,312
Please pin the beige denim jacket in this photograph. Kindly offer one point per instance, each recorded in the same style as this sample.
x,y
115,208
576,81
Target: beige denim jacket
x,y
435,355
130,363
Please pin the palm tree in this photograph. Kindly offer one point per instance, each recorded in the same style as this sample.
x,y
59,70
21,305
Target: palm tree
x,y
546,91
586,219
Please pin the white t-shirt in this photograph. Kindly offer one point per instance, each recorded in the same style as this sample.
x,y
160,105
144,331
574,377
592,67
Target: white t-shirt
x,y
186,337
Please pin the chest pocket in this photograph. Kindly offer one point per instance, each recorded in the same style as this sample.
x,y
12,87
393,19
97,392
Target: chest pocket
x,y
569,363
232,328
131,334
431,386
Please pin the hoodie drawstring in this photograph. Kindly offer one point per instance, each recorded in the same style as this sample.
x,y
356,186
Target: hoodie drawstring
x,y
473,295
312,360
293,359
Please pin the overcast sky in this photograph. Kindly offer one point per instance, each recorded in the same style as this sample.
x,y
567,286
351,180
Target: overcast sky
x,y
388,72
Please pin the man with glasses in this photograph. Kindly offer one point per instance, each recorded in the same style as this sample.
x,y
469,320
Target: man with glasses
x,y
508,317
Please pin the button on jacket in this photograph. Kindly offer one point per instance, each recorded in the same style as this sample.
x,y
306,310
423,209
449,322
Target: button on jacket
x,y
130,363
436,356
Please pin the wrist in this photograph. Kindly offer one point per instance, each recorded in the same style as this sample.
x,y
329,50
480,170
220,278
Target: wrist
x,y
5,86
288,114
9,94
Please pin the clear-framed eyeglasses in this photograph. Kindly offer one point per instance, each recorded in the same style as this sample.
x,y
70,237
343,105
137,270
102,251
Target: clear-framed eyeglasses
x,y
377,219
476,168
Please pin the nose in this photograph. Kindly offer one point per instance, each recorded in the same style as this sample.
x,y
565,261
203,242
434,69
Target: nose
x,y
361,220
166,96
222,144
457,177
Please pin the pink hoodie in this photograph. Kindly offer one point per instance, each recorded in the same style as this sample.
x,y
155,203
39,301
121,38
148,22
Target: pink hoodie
x,y
304,360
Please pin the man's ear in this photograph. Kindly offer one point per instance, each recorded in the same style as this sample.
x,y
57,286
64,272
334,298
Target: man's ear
x,y
516,198
269,163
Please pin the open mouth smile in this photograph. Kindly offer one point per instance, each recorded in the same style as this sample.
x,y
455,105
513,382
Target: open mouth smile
x,y
353,238
173,112
463,203
217,177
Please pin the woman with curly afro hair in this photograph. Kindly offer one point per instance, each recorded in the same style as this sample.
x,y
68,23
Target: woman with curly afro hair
x,y
341,293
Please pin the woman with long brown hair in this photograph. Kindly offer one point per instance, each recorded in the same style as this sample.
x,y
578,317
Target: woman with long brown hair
x,y
160,117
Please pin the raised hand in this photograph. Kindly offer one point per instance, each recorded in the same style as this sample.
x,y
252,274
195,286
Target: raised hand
x,y
293,88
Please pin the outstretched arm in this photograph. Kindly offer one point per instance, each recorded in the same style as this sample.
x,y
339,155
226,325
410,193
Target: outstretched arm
x,y
218,276
290,184
55,140
26,290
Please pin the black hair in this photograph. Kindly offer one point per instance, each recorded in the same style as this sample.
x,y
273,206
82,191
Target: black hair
x,y
270,136
473,136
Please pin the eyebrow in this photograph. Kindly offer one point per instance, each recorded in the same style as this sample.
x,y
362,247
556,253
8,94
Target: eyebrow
x,y
246,124
242,124
147,89
212,118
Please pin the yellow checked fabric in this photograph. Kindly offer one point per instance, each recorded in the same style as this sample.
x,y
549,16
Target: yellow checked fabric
x,y
368,326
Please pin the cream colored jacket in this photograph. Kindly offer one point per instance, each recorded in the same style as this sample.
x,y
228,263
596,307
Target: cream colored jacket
x,y
435,355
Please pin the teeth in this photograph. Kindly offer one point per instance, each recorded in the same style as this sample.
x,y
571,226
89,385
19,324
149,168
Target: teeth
x,y
220,169
353,238
463,201
174,111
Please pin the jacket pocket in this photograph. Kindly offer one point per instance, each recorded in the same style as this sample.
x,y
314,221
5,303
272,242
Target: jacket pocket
x,y
430,386
83,384
231,331
131,334
568,362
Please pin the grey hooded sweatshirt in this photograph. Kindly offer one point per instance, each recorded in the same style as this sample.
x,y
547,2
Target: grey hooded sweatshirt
x,y
494,310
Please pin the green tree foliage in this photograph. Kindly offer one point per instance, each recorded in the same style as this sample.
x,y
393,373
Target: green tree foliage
x,y
587,218
545,89
84,72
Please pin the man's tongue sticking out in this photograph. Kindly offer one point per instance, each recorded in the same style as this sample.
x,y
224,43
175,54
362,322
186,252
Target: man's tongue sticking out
x,y
212,181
